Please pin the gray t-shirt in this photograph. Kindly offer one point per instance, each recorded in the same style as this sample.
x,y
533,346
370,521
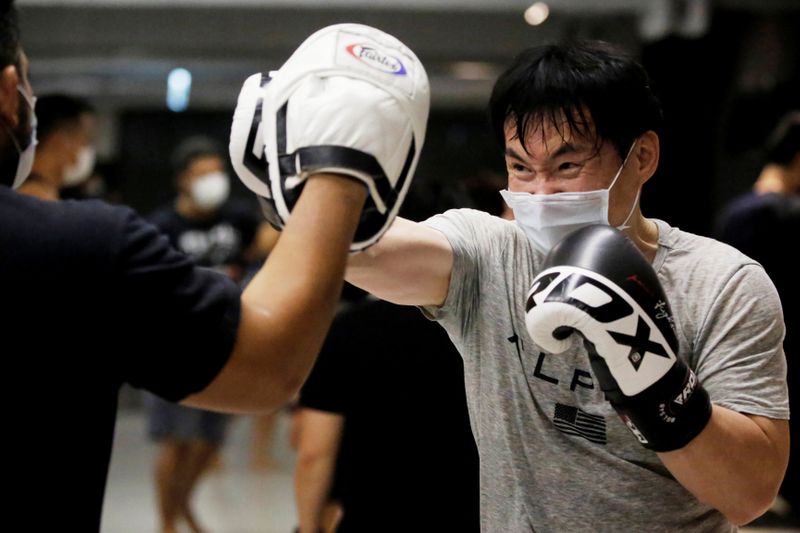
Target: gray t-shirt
x,y
554,456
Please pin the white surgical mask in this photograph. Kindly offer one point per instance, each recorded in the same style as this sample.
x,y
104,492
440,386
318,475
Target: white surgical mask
x,y
547,218
210,190
26,155
82,169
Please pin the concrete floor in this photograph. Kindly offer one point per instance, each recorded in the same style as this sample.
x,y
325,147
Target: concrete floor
x,y
233,498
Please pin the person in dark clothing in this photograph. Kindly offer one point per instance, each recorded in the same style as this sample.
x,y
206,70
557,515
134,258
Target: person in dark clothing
x,y
383,432
387,393
216,233
759,223
65,155
159,322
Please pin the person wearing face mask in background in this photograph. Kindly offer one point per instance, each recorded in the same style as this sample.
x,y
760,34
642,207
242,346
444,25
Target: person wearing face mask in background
x,y
65,155
218,234
579,125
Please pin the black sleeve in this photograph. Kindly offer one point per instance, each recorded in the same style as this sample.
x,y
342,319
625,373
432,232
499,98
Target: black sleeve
x,y
159,217
251,225
327,386
247,219
177,323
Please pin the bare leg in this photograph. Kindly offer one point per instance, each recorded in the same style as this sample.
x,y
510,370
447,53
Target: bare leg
x,y
169,463
261,441
331,515
200,458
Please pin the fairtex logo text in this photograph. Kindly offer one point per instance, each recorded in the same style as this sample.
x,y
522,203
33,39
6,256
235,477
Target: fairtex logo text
x,y
375,58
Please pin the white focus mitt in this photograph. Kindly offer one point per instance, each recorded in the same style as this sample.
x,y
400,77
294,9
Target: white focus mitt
x,y
351,100
246,146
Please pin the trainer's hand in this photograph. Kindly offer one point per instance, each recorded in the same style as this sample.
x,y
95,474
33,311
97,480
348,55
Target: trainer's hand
x,y
596,283
351,100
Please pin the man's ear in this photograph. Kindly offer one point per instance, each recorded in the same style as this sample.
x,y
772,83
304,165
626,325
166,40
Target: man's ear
x,y
9,96
181,182
647,152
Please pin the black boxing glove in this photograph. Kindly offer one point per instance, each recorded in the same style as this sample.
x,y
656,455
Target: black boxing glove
x,y
597,284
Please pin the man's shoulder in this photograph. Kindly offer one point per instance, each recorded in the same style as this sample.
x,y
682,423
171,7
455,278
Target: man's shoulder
x,y
474,225
88,218
752,201
703,265
467,213
756,210
697,248
164,216
83,238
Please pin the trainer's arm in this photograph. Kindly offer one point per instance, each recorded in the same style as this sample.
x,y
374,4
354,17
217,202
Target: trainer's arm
x,y
736,464
288,306
410,265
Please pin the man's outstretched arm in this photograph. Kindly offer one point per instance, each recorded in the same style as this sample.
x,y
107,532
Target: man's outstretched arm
x,y
410,265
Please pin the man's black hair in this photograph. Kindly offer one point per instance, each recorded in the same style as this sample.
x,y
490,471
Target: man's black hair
x,y
599,91
57,111
9,34
784,143
193,148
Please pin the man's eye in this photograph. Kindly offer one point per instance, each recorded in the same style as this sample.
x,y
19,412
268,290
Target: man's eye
x,y
517,167
567,165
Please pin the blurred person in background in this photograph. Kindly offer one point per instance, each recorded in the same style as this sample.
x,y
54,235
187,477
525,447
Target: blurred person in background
x,y
760,223
262,432
484,191
65,155
384,440
218,234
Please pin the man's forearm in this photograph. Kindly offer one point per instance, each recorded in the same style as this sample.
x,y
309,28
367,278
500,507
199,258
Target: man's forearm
x,y
410,265
299,286
289,305
736,464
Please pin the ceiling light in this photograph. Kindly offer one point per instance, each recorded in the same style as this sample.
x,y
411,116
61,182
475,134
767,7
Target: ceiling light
x,y
537,13
179,88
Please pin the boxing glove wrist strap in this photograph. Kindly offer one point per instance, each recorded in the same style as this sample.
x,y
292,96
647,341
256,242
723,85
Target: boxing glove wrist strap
x,y
667,415
348,160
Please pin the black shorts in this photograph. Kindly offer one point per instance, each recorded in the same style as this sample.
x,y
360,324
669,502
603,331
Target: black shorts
x,y
172,421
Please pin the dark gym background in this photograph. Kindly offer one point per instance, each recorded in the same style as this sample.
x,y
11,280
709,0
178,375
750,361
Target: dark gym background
x,y
722,88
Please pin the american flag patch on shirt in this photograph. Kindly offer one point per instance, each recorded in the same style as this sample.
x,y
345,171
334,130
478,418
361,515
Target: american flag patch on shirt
x,y
573,421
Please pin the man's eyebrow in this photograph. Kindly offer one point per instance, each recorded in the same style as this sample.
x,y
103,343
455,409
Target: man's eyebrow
x,y
564,149
510,152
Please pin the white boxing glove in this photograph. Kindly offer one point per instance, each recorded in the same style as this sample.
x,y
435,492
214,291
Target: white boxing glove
x,y
246,146
351,100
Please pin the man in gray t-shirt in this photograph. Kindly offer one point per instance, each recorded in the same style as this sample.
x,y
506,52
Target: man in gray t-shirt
x,y
580,128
